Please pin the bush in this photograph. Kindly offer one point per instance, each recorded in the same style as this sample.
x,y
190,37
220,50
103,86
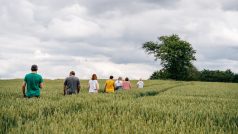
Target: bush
x,y
204,75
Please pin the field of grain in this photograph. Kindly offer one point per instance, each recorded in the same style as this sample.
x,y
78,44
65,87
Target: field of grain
x,y
161,107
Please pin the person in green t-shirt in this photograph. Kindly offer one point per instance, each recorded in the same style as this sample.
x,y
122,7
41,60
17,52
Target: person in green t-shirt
x,y
33,82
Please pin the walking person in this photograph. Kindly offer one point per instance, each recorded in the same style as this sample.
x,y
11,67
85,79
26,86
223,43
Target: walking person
x,y
118,84
33,82
93,84
140,84
126,85
109,85
71,84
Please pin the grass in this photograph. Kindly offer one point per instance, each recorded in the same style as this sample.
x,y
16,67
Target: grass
x,y
161,107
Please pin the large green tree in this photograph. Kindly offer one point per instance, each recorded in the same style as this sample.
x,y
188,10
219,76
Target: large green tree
x,y
176,56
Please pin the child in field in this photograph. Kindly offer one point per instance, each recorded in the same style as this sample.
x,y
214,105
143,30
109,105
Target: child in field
x,y
109,86
118,84
140,84
126,85
93,84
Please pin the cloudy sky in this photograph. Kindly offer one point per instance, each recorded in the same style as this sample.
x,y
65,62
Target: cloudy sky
x,y
105,36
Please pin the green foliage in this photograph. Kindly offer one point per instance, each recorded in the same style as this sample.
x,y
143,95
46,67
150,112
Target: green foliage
x,y
218,76
235,78
193,74
161,74
161,107
176,56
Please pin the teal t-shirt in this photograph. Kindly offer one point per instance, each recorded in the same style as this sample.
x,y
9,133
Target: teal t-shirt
x,y
33,82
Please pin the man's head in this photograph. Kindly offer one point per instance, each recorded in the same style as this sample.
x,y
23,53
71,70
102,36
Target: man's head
x,y
111,77
72,73
34,68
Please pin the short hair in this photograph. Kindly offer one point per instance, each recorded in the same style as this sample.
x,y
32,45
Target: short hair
x,y
126,79
34,67
120,78
72,73
94,77
111,77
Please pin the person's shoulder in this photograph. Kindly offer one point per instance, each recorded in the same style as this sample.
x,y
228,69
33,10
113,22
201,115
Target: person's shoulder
x,y
39,75
77,78
67,78
27,75
95,81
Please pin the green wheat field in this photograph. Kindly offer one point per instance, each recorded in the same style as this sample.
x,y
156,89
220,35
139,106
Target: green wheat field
x,y
175,107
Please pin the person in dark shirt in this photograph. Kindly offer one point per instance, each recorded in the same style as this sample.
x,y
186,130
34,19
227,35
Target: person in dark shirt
x,y
71,84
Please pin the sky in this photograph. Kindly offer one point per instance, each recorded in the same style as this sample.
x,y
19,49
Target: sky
x,y
105,36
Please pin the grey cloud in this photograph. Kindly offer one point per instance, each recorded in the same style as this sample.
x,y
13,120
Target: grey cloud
x,y
67,34
216,53
125,6
230,5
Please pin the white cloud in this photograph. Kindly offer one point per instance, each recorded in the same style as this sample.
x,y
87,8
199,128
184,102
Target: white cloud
x,y
105,37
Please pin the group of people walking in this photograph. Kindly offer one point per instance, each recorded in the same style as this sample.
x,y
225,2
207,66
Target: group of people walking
x,y
33,82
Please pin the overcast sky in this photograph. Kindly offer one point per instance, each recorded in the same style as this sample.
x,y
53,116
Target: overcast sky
x,y
105,36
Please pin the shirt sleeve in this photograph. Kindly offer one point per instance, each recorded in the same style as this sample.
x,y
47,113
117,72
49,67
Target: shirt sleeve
x,y
41,79
65,82
25,79
78,82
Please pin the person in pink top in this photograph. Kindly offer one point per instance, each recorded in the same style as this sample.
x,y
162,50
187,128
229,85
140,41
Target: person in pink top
x,y
126,85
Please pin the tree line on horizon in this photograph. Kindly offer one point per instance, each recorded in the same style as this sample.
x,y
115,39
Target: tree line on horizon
x,y
176,58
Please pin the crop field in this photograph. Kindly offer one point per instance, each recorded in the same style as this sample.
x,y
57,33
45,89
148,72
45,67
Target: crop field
x,y
161,107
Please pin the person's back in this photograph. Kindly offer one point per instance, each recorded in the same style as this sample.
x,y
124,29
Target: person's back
x,y
126,85
71,84
118,83
93,84
109,86
33,83
140,84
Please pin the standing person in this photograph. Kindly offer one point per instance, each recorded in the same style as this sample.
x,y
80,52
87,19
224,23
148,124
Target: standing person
x,y
118,84
140,84
109,86
93,84
33,82
71,84
126,85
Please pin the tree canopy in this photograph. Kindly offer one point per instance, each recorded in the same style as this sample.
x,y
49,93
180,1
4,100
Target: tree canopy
x,y
176,56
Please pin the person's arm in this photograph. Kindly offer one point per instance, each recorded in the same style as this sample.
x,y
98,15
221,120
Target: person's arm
x,y
78,87
41,85
24,88
88,86
130,85
105,87
97,87
65,87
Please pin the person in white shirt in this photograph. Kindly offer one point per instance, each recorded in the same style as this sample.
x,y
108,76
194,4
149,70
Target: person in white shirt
x,y
93,84
118,84
140,84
